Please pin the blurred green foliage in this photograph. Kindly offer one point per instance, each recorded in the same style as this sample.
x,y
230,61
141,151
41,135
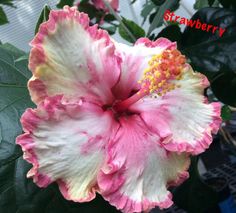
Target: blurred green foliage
x,y
3,16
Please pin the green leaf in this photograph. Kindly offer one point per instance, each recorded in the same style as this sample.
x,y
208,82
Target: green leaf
x,y
158,2
224,87
199,4
15,98
228,3
62,3
44,15
8,152
214,55
12,50
208,51
7,3
21,195
91,10
213,3
136,30
109,18
146,10
226,113
3,17
158,17
193,195
172,32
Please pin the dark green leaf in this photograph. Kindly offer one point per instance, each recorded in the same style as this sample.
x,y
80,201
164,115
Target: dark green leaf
x,y
14,75
172,32
158,2
228,3
8,152
158,18
109,18
62,3
7,3
44,15
13,51
21,195
3,17
210,2
136,30
199,4
226,113
213,55
213,3
224,87
153,15
91,10
208,51
147,9
193,195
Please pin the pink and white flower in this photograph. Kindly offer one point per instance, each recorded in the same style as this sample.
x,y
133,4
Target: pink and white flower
x,y
110,118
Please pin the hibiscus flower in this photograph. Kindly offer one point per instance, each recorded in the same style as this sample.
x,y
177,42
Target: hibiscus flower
x,y
112,119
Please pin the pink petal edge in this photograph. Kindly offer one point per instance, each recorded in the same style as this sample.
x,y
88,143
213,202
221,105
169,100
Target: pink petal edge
x,y
27,144
110,190
30,121
160,42
205,142
182,176
119,200
37,53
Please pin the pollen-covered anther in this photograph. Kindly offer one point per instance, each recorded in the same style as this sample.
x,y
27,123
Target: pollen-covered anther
x,y
162,71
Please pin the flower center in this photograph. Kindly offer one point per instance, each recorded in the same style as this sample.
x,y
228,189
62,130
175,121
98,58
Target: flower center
x,y
158,79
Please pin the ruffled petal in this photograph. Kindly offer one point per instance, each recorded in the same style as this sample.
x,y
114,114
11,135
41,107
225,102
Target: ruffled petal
x,y
182,117
138,169
135,60
66,143
70,57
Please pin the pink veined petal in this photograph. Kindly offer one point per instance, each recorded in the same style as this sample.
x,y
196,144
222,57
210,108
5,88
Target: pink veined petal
x,y
182,117
66,143
100,5
135,60
139,170
70,57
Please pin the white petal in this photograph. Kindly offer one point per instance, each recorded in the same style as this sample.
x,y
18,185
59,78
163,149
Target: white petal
x,y
66,143
135,60
182,117
71,58
139,170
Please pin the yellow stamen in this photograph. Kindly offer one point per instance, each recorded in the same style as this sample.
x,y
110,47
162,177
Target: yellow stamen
x,y
163,70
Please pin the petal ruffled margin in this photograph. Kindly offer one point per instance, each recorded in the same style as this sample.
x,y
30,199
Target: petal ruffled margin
x,y
135,60
139,170
66,143
70,57
183,117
